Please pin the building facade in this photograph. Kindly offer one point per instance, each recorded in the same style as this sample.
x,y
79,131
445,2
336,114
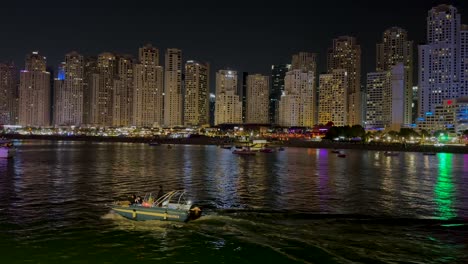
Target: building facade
x,y
196,106
228,105
278,73
440,60
34,93
346,54
395,49
257,99
333,98
173,96
122,106
148,89
8,94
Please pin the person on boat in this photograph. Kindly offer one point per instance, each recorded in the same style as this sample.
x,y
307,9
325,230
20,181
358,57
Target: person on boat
x,y
132,199
138,200
161,192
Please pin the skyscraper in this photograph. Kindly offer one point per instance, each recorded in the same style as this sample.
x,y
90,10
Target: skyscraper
x,y
173,108
386,98
346,54
278,73
333,98
297,104
257,99
228,106
304,61
243,95
196,107
90,69
394,49
148,90
34,92
440,60
68,90
8,94
123,92
102,86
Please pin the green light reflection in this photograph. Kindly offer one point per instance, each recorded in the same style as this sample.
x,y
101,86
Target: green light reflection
x,y
444,189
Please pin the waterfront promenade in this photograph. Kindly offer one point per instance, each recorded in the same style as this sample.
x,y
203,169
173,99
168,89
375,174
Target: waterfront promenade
x,y
205,140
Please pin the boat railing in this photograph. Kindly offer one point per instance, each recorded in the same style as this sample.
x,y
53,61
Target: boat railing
x,y
177,196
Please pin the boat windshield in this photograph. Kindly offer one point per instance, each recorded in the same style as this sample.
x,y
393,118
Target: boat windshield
x,y
175,197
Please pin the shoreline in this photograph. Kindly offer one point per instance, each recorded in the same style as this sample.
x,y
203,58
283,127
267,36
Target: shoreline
x,y
204,140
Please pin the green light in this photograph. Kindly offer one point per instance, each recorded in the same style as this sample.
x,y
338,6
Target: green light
x,y
444,189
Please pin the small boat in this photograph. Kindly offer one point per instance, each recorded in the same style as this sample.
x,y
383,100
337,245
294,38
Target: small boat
x,y
266,150
226,147
172,206
341,155
154,143
280,149
391,154
7,150
429,153
335,151
244,151
169,146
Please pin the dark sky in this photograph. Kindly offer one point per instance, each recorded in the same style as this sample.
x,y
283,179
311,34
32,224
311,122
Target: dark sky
x,y
242,35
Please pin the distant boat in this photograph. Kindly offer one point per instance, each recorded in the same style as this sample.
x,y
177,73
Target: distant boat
x,y
7,150
341,155
244,151
266,150
169,146
335,151
391,154
429,153
225,147
154,143
280,149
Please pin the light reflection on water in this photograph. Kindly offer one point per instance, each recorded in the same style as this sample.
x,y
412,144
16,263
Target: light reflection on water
x,y
55,191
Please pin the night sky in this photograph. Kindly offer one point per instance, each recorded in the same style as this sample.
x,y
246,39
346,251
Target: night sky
x,y
242,35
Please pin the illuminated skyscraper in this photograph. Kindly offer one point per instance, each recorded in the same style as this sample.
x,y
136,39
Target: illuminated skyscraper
x,y
148,90
440,60
394,49
196,107
34,92
68,91
8,94
346,54
257,99
228,106
173,104
123,92
101,87
278,73
333,98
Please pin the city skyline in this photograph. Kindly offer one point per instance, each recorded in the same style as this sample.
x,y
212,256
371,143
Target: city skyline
x,y
274,34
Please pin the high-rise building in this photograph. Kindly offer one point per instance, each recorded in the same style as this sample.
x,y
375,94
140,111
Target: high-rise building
x,y
123,92
68,91
297,104
464,60
196,107
34,92
333,98
173,97
102,86
148,91
257,99
305,61
243,95
440,60
90,69
8,94
346,54
228,108
394,49
278,73
386,95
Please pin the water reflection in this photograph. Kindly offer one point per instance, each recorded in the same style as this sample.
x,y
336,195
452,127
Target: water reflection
x,y
444,189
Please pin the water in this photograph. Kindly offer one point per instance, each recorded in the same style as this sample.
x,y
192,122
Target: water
x,y
296,206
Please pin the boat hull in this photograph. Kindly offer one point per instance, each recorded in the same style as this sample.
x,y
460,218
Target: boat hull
x,y
140,213
6,153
